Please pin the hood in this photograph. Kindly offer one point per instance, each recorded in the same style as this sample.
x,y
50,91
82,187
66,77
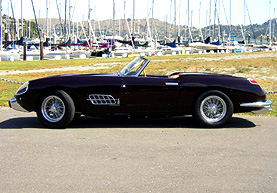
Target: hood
x,y
77,76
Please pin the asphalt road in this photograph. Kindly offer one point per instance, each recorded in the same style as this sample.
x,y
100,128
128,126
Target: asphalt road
x,y
119,155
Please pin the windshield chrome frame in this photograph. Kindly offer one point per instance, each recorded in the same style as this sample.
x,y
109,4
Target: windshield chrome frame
x,y
138,72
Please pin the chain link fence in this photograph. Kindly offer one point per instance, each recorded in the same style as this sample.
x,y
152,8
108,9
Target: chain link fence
x,y
11,81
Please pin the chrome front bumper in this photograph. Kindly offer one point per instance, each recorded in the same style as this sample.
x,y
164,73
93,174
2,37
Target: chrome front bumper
x,y
265,106
16,106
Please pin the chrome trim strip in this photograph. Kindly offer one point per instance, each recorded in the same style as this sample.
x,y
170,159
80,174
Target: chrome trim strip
x,y
256,104
16,106
172,83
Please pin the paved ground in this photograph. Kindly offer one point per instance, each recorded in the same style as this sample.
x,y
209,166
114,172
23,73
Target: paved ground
x,y
158,155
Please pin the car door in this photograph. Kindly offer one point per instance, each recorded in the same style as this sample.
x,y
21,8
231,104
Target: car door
x,y
152,94
100,94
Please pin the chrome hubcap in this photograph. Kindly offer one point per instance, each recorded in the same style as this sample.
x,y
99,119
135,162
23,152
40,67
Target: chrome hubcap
x,y
53,109
213,109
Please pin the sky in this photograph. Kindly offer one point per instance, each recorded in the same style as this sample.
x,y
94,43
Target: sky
x,y
259,10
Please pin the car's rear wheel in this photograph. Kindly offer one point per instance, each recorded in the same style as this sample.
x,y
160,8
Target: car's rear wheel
x,y
213,109
56,109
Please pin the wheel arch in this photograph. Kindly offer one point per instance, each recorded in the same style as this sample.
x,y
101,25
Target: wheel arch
x,y
226,91
71,93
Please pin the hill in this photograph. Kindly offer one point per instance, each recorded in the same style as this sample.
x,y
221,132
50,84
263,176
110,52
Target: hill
x,y
143,27
162,29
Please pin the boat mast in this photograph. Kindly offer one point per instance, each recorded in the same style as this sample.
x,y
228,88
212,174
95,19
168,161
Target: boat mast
x,y
206,25
65,32
36,20
123,23
47,9
244,22
188,22
273,25
59,13
210,17
113,21
201,35
14,21
175,23
170,20
21,19
179,24
152,32
230,18
190,34
166,25
270,23
0,25
49,21
220,35
215,7
89,9
133,17
29,29
69,18
40,43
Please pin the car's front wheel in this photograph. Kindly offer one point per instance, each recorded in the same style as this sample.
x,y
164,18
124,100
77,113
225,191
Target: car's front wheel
x,y
56,109
213,109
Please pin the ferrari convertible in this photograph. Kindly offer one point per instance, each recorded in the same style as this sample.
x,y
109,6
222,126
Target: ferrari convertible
x,y
210,98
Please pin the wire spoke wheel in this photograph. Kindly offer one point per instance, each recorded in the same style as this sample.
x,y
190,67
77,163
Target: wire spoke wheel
x,y
53,109
56,109
213,109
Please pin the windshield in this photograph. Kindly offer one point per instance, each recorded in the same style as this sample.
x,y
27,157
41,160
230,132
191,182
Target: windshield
x,y
133,67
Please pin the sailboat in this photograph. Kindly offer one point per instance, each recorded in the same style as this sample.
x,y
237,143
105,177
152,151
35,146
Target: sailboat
x,y
207,45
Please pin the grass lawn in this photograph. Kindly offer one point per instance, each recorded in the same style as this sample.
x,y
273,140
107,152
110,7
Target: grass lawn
x,y
262,69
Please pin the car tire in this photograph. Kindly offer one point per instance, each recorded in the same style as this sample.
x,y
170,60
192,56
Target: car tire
x,y
213,109
56,110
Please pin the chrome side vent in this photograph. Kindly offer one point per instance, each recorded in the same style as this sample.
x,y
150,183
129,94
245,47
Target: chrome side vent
x,y
100,99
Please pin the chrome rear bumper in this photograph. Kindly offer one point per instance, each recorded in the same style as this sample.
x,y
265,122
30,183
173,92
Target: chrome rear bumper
x,y
16,106
265,106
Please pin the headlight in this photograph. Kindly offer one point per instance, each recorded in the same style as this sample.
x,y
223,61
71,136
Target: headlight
x,y
22,89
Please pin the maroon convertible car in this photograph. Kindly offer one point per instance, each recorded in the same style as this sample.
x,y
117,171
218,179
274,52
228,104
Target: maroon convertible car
x,y
210,98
